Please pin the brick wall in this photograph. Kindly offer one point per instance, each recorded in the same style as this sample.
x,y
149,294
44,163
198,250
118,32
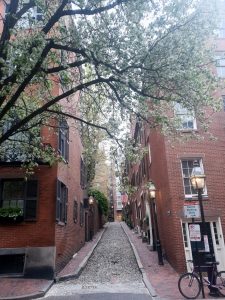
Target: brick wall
x,y
37,233
167,175
70,237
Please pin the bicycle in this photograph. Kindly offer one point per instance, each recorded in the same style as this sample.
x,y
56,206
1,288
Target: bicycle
x,y
190,286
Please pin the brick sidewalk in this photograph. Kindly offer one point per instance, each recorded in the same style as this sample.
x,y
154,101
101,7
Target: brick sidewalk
x,y
23,288
163,279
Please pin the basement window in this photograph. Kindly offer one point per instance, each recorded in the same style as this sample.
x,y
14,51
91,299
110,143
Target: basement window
x,y
12,264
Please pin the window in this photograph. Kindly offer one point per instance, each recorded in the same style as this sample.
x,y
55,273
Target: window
x,y
187,167
20,193
61,202
31,17
186,118
220,65
223,98
75,211
82,174
64,139
13,151
81,214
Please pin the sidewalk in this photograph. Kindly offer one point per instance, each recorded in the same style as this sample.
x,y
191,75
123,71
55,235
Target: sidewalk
x,y
163,279
25,288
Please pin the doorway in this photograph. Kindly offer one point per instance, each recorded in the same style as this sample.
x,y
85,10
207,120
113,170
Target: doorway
x,y
200,254
216,248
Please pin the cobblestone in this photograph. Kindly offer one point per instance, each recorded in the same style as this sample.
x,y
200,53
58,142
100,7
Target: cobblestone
x,y
111,268
112,258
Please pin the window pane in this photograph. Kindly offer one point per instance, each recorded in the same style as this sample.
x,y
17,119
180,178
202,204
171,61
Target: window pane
x,y
184,164
187,190
13,190
186,172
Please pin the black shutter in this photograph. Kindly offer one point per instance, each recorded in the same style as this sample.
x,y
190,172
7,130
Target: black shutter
x,y
65,204
31,195
67,144
58,199
0,193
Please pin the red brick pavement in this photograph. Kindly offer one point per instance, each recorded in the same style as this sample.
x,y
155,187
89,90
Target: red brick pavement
x,y
162,278
11,288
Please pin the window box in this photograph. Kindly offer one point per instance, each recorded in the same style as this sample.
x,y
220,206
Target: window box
x,y
11,215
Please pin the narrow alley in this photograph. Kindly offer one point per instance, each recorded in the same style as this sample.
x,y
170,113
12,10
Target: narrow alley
x,y
111,272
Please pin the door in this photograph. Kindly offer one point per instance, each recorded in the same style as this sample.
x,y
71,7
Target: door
x,y
218,242
187,244
196,250
203,252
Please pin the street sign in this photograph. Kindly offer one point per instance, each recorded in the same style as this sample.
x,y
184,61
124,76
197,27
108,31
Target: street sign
x,y
192,210
195,232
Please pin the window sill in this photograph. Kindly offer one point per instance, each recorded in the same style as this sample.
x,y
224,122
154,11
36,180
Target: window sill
x,y
60,223
188,130
194,198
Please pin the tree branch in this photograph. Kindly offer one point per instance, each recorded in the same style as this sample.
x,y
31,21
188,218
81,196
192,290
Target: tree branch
x,y
82,121
62,68
89,12
44,107
26,81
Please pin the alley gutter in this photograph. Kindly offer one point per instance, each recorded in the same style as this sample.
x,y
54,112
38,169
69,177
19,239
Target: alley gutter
x,y
146,281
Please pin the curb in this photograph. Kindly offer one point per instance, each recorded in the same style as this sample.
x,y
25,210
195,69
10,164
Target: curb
x,y
81,266
30,296
147,283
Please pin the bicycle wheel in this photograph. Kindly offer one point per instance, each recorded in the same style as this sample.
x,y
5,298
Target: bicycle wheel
x,y
220,282
189,286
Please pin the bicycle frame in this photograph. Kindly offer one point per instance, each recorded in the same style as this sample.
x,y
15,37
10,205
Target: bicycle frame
x,y
205,281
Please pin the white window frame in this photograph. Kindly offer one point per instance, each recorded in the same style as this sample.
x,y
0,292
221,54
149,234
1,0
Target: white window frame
x,y
189,170
185,117
220,64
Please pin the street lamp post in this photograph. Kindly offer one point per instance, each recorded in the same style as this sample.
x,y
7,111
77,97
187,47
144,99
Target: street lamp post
x,y
91,203
152,193
198,182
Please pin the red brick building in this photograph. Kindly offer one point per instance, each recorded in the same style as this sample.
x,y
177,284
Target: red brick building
x,y
169,166
56,219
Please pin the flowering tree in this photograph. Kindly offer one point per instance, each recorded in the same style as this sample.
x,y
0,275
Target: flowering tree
x,y
114,54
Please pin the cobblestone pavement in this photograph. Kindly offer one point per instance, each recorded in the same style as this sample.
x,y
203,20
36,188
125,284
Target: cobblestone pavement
x,y
111,269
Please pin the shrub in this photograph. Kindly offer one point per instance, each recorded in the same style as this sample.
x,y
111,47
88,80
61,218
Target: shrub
x,y
101,200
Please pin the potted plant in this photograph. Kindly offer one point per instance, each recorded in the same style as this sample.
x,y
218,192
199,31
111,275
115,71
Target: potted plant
x,y
11,214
